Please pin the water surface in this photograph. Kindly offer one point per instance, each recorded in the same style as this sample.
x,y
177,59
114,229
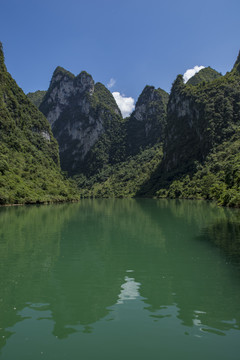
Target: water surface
x,y
114,279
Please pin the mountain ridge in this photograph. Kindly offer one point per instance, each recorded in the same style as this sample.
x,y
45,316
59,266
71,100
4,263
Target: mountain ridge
x,y
169,146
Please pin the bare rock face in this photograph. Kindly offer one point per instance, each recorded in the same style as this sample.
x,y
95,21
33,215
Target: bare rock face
x,y
80,113
63,87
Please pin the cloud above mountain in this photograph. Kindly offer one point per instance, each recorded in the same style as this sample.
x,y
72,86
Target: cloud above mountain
x,y
111,83
191,72
125,104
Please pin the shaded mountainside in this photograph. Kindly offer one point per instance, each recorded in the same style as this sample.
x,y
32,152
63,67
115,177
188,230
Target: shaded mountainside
x,y
142,141
36,97
199,118
85,120
123,179
218,178
146,125
202,142
29,160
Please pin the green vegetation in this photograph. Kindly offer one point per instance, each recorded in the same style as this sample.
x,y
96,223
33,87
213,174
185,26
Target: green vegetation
x,y
103,96
203,162
123,179
199,122
199,118
217,179
185,145
29,160
205,75
36,97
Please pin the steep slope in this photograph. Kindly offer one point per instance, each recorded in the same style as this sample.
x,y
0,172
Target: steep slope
x,y
29,160
36,97
202,129
236,68
207,74
146,125
123,179
199,118
218,178
85,120
144,134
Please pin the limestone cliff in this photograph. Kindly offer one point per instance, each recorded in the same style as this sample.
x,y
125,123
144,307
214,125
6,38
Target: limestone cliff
x,y
85,120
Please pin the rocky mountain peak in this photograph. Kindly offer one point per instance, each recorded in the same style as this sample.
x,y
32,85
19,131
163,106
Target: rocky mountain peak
x,y
178,83
84,82
148,101
60,74
175,95
145,127
237,63
2,63
81,113
66,88
65,79
148,94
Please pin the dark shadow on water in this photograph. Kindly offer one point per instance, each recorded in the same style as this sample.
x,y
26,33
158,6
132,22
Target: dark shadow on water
x,y
226,236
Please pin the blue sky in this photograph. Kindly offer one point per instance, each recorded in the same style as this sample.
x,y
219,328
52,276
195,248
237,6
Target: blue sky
x,y
134,42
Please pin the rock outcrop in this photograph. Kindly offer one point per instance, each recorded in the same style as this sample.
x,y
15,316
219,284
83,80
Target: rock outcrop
x,y
85,120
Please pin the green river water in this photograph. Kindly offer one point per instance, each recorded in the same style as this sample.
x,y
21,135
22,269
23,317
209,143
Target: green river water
x,y
120,279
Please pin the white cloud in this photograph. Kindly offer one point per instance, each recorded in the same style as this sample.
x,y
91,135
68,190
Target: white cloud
x,y
191,72
125,104
111,83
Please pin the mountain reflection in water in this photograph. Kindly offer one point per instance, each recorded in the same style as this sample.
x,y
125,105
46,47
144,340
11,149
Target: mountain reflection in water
x,y
72,266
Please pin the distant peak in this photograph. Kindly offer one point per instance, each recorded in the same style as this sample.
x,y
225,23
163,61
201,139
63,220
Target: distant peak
x,y
2,63
145,95
149,94
85,81
84,73
58,75
148,88
206,74
237,63
178,83
61,71
64,79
